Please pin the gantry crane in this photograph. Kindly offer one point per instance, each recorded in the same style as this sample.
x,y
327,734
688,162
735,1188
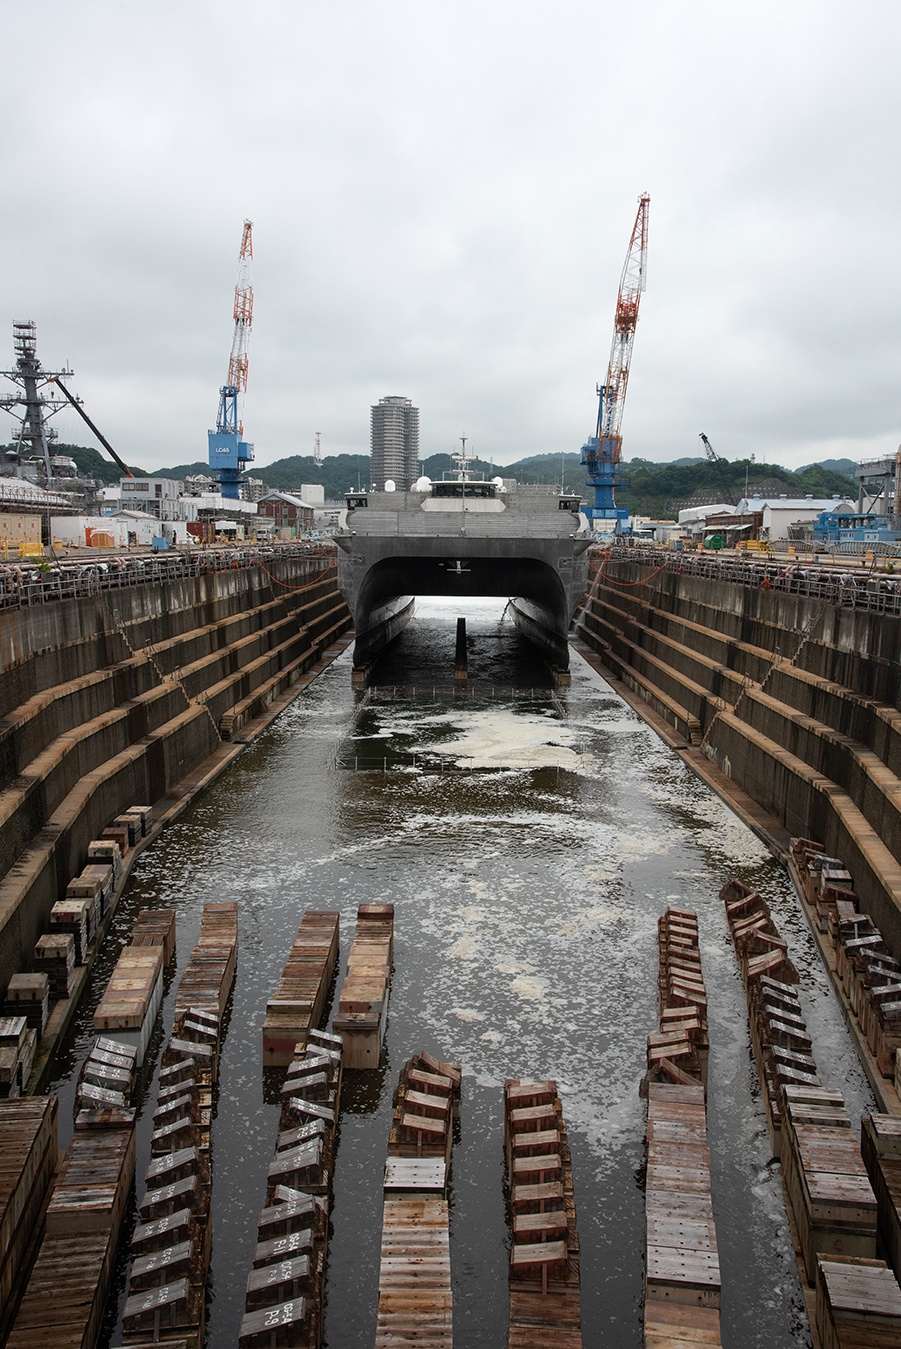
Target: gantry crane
x,y
602,451
228,450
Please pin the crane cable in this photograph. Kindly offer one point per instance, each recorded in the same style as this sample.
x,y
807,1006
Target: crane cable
x,y
613,580
307,586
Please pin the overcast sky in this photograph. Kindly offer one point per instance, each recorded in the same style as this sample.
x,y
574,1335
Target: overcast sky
x,y
442,197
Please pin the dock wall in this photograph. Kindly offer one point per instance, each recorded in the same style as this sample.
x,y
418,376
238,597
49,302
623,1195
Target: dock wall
x,y
113,699
795,698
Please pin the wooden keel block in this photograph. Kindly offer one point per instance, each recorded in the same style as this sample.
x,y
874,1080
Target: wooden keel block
x,y
273,1327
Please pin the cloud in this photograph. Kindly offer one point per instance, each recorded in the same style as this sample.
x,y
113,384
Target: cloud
x,y
442,197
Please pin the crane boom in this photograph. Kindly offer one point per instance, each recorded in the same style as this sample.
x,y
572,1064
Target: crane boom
x,y
228,450
722,473
231,412
126,471
603,451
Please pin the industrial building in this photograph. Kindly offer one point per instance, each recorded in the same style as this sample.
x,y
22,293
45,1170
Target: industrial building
x,y
394,443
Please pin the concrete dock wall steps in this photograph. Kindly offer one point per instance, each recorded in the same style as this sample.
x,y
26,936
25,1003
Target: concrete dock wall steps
x,y
142,772
703,685
853,767
803,799
650,679
728,652
47,780
219,650
821,756
864,719
28,730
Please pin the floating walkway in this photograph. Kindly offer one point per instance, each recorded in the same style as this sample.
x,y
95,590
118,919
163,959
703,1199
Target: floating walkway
x,y
299,1000
285,1290
682,1274
363,1002
415,1301
544,1258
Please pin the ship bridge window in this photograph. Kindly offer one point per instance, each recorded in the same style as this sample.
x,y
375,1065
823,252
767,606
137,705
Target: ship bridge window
x,y
355,503
569,503
463,489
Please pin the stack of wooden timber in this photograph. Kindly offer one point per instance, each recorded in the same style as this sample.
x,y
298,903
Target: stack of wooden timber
x,y
415,1300
782,1046
880,1147
426,1101
284,1301
363,1002
682,1275
544,1257
28,1152
94,885
54,955
18,1043
870,976
64,1300
170,1247
830,1197
210,973
75,916
871,979
758,944
28,995
858,1305
156,927
132,998
299,1000
172,1243
679,1050
106,852
825,880
143,817
108,1075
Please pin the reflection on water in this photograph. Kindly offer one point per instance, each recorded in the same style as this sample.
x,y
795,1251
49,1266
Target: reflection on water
x,y
527,895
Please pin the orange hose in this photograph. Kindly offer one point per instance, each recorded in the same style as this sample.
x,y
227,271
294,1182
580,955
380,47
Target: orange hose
x,y
307,586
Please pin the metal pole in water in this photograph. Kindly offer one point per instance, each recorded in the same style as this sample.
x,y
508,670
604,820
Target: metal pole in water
x,y
461,665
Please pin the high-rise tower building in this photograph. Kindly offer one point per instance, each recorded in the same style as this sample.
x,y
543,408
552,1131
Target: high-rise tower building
x,y
394,443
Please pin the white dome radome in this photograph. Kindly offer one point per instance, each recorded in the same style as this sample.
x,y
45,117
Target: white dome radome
x,y
390,485
422,484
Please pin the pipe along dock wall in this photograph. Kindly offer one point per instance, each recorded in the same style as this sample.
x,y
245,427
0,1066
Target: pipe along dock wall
x,y
793,698
116,698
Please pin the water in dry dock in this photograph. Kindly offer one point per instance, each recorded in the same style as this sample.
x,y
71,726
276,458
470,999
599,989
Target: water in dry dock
x,y
527,890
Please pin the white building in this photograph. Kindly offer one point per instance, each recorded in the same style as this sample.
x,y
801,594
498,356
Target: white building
x,y
693,520
155,496
780,512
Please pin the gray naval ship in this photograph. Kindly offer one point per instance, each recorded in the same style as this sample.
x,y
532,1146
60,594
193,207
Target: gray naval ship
x,y
463,536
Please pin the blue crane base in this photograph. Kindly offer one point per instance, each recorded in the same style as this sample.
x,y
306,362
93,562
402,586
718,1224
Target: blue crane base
x,y
228,454
602,480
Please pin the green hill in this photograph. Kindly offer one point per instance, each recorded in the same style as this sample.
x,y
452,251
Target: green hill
x,y
646,488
